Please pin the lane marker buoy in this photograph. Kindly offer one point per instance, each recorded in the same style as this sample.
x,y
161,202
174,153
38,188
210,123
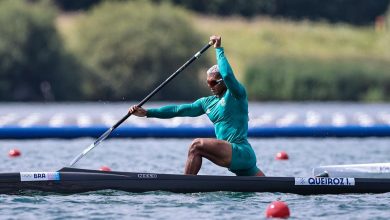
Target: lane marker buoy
x,y
282,155
277,209
105,168
14,153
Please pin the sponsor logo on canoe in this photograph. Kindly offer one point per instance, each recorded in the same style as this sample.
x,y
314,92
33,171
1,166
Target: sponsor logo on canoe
x,y
327,181
147,175
39,176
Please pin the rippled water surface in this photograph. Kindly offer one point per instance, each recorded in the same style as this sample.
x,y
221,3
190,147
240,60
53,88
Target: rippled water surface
x,y
168,156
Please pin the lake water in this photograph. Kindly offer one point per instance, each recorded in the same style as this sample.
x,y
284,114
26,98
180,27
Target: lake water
x,y
168,156
260,114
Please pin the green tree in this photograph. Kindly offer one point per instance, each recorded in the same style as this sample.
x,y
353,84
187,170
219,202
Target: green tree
x,y
33,64
359,12
297,79
131,47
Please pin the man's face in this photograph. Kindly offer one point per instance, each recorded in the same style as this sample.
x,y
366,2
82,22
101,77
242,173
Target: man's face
x,y
216,85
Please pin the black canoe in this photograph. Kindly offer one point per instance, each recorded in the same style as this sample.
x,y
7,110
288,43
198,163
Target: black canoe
x,y
72,180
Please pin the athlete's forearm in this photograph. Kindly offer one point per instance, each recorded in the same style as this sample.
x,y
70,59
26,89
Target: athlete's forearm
x,y
171,111
227,74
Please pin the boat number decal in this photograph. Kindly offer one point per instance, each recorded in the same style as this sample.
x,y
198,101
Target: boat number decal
x,y
39,176
147,175
328,181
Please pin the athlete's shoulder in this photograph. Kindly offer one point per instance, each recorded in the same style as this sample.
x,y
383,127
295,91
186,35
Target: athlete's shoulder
x,y
207,99
242,95
210,98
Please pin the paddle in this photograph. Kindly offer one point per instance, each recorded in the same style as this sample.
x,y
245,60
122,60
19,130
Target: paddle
x,y
108,132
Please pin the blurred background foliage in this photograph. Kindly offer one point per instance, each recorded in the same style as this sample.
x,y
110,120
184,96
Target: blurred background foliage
x,y
131,51
62,50
33,62
358,12
299,78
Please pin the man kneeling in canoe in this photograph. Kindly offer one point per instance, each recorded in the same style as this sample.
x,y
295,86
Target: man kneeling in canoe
x,y
228,110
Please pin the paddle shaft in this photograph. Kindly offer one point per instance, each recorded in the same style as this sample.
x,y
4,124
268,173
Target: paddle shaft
x,y
110,130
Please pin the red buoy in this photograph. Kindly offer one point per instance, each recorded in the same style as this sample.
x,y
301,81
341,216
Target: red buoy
x,y
105,168
14,153
277,209
282,155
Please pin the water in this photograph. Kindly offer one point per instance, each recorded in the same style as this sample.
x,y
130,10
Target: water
x,y
377,112
168,156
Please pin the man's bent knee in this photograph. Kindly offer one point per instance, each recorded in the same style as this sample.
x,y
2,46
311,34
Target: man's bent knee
x,y
197,142
196,145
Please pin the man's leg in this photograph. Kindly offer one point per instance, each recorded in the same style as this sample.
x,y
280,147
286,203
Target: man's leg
x,y
217,151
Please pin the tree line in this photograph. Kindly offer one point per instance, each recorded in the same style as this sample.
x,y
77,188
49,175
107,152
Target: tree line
x,y
285,78
357,12
113,56
123,55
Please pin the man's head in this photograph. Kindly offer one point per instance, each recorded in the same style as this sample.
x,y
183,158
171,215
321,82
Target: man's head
x,y
215,81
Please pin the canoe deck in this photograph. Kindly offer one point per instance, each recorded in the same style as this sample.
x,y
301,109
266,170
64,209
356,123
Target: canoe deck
x,y
73,180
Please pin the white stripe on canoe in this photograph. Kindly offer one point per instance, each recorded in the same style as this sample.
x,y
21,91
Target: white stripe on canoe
x,y
371,170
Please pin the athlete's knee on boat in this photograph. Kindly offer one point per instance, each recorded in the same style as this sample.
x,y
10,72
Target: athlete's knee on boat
x,y
196,146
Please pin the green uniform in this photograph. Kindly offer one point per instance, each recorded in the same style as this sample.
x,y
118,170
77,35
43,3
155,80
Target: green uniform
x,y
229,115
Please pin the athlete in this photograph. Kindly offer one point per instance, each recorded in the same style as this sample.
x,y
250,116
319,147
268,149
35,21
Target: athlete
x,y
227,108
